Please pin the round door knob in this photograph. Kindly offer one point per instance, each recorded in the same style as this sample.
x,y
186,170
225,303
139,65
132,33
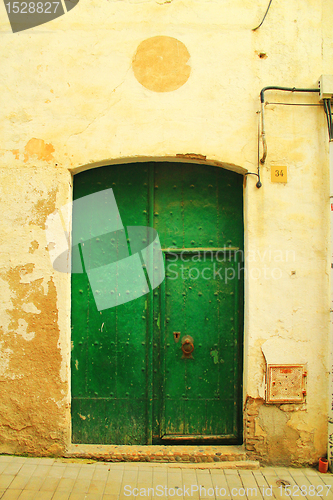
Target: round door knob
x,y
187,346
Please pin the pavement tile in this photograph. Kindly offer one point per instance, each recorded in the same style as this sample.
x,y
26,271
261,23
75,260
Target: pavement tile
x,y
43,495
244,472
50,484
66,484
12,468
47,461
250,486
34,483
61,495
42,470
81,486
319,487
145,481
130,466
6,458
19,483
3,465
145,477
263,485
309,472
71,472
34,460
115,475
277,470
5,481
268,472
100,474
77,496
11,495
200,481
302,487
217,471
27,495
93,496
97,486
296,472
327,478
235,485
27,469
129,479
56,471
89,466
174,482
113,485
85,473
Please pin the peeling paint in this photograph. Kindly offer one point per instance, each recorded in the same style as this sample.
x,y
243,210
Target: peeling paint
x,y
30,308
4,361
34,246
30,365
191,156
21,329
42,209
37,147
215,356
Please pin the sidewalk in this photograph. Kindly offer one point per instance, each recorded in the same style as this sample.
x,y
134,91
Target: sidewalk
x,y
70,479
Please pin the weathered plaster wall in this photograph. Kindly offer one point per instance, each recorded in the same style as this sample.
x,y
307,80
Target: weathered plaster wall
x,y
71,100
34,320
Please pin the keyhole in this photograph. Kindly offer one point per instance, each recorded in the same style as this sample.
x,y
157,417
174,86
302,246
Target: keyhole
x,y
176,336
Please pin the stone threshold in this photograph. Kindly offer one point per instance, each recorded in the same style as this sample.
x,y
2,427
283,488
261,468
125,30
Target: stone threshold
x,y
211,456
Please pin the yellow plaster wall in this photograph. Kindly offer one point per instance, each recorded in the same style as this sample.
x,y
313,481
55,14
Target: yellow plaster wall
x,y
70,100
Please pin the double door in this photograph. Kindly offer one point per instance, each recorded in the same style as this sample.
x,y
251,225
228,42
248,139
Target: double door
x,y
166,366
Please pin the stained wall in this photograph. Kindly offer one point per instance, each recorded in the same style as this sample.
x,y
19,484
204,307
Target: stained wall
x,y
116,81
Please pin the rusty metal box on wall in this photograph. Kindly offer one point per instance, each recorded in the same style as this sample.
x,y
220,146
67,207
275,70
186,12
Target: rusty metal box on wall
x,y
286,383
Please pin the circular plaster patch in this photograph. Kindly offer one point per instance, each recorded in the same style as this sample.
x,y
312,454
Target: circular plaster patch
x,y
160,64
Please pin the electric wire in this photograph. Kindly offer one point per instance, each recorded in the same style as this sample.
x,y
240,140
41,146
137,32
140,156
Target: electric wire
x,y
330,119
254,29
262,101
328,113
259,184
293,104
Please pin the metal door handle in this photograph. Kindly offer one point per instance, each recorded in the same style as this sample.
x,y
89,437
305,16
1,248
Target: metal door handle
x,y
187,346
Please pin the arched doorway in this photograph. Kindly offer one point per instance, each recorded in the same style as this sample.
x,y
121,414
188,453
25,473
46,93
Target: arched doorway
x,y
166,367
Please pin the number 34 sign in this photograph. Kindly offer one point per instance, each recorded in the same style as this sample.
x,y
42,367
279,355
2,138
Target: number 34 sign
x,y
25,15
278,174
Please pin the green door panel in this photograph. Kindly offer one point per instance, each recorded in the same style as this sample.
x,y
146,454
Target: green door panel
x,y
109,347
130,381
204,304
198,206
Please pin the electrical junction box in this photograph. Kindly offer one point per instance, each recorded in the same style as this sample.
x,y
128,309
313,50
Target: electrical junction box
x,y
285,383
326,87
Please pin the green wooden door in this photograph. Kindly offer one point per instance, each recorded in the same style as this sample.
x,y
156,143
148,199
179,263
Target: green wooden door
x,y
131,381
